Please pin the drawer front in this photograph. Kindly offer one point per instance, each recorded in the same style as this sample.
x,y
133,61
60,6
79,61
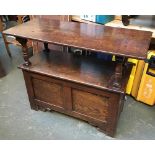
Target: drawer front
x,y
90,105
49,92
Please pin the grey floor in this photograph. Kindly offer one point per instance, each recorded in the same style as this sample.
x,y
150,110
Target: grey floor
x,y
18,121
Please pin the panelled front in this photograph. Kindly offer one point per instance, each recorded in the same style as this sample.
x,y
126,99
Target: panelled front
x,y
80,101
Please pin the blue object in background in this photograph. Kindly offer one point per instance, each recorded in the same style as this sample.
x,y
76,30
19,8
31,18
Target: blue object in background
x,y
100,19
103,19
104,56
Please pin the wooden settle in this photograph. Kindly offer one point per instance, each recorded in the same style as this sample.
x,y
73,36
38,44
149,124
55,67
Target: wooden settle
x,y
83,87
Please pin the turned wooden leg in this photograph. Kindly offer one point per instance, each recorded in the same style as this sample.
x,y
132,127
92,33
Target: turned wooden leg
x,y
23,42
120,67
35,47
118,75
116,79
46,49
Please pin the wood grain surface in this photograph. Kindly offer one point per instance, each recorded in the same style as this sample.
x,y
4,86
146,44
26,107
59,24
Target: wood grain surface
x,y
80,69
118,41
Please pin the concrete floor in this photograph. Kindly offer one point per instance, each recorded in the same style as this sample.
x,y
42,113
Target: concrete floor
x,y
18,121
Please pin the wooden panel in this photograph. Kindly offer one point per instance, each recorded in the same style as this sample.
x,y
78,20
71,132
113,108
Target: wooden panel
x,y
118,41
48,92
89,104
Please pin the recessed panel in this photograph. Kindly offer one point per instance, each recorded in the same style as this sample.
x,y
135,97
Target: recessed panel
x,y
89,104
48,92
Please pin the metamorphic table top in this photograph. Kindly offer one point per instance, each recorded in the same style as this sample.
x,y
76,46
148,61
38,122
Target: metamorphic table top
x,y
100,38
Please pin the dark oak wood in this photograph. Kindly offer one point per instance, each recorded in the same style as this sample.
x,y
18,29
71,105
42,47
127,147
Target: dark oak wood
x,y
80,86
85,70
121,62
39,45
23,42
117,41
90,104
93,109
48,92
76,86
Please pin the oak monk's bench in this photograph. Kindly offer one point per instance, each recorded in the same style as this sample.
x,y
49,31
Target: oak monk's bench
x,y
83,87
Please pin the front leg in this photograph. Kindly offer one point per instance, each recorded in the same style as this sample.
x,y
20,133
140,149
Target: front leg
x,y
46,49
118,75
23,42
116,79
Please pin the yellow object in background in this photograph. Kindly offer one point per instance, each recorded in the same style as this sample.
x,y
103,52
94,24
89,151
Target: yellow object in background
x,y
137,78
113,58
146,91
132,75
141,83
